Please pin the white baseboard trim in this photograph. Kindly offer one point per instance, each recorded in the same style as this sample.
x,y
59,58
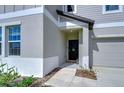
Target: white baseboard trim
x,y
38,67
50,63
85,62
26,66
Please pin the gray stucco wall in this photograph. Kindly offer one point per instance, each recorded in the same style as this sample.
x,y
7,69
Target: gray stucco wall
x,y
31,35
54,41
108,51
95,12
52,9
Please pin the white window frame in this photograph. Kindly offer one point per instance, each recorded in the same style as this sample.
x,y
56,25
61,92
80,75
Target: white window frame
x,y
8,55
65,9
112,11
3,51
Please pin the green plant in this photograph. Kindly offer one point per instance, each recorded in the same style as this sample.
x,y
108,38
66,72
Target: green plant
x,y
26,82
7,75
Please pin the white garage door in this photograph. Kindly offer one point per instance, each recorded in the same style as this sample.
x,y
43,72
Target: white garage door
x,y
109,52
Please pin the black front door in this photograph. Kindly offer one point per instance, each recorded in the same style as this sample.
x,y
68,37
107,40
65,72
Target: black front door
x,y
73,49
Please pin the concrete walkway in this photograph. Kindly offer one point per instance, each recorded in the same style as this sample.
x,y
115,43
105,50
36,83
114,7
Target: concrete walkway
x,y
107,77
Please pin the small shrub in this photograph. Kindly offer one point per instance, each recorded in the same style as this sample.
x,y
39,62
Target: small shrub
x,y
7,75
26,82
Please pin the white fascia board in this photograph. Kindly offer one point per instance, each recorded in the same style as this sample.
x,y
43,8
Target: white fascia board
x,y
22,13
113,24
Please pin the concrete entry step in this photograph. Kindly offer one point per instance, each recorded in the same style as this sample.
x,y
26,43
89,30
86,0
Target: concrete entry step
x,y
63,77
71,61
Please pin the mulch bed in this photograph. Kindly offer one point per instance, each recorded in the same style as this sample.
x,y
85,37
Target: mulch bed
x,y
39,82
86,74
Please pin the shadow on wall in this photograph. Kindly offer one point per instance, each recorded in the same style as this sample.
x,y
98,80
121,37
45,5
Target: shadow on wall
x,y
93,46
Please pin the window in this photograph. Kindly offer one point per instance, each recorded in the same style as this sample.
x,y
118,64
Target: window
x,y
112,9
13,35
70,8
0,39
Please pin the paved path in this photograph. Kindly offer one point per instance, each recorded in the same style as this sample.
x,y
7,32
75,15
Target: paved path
x,y
107,77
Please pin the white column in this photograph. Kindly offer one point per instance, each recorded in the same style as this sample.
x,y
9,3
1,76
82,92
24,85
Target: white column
x,y
80,47
85,56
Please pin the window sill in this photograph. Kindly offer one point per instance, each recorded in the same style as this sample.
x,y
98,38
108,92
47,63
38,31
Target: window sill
x,y
74,12
13,56
9,57
111,12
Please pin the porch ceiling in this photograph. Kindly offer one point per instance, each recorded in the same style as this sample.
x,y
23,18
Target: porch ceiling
x,y
72,29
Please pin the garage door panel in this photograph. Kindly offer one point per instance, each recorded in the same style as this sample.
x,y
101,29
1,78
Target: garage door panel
x,y
109,53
